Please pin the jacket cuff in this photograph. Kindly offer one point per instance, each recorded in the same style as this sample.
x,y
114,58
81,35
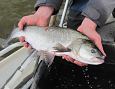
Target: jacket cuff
x,y
53,3
96,14
92,14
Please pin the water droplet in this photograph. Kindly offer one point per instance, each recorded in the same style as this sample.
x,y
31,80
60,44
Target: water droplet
x,y
72,85
57,86
109,81
86,69
95,78
90,86
79,85
111,85
72,70
87,82
87,76
98,86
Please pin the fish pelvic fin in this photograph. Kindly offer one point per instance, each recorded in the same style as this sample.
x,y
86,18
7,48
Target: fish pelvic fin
x,y
60,48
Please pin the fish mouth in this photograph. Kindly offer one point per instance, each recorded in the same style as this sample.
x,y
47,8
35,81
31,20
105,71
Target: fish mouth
x,y
101,58
98,60
91,61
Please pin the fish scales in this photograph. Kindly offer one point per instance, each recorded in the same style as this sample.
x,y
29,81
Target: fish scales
x,y
61,41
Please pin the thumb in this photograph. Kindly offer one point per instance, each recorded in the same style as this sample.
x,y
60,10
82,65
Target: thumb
x,y
100,47
22,22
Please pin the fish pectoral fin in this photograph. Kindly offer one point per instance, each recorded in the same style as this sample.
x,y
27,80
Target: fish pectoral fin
x,y
60,48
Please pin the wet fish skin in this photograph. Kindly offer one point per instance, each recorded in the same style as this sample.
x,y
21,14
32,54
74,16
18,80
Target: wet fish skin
x,y
61,41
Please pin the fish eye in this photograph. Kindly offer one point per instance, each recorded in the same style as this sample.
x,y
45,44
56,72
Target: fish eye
x,y
93,51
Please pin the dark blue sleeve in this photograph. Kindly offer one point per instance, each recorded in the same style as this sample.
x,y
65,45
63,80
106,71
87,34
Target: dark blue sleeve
x,y
99,10
53,3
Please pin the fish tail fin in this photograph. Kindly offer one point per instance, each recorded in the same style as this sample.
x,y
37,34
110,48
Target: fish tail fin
x,y
14,34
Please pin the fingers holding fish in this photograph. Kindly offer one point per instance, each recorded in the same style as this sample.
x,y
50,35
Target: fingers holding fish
x,y
80,63
99,45
38,18
22,22
96,38
88,28
66,57
26,44
22,39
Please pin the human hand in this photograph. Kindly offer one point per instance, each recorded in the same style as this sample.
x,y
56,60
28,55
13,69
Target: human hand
x,y
88,28
40,18
68,58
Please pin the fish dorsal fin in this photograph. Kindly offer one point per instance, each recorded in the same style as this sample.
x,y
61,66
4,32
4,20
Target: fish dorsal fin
x,y
60,48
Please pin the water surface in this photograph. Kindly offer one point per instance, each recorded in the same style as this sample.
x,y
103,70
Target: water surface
x,y
11,11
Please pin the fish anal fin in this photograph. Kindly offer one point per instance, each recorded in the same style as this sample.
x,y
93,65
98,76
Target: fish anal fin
x,y
46,56
60,48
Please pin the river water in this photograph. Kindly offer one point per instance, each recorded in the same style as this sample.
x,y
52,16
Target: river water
x,y
11,12
63,74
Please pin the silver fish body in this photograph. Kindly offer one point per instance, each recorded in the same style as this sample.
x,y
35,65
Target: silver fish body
x,y
61,41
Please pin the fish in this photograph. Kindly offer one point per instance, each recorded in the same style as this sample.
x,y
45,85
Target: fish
x,y
61,41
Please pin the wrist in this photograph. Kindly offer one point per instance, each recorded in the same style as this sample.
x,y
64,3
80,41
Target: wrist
x,y
44,11
87,24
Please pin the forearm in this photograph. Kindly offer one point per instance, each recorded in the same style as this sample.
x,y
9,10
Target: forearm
x,y
47,12
99,10
52,3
